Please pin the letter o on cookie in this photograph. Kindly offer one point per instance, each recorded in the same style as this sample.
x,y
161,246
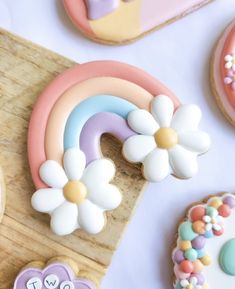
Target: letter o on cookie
x,y
66,285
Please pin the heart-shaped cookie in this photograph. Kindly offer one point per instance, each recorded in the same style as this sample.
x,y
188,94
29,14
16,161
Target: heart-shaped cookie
x,y
119,21
59,272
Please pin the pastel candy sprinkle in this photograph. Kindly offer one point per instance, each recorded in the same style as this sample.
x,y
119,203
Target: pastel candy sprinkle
x,y
178,256
199,227
206,260
179,274
227,257
197,266
230,201
185,245
197,213
215,203
201,253
199,242
200,278
209,234
191,254
186,231
187,266
212,212
224,210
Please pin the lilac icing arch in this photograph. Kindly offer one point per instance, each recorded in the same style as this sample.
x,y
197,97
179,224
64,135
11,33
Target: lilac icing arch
x,y
96,126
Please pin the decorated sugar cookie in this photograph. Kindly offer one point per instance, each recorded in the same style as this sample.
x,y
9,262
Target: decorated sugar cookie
x,y
223,72
121,21
73,179
60,272
204,253
2,195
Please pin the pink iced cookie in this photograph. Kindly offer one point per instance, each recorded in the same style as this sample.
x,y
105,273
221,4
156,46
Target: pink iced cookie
x,y
223,72
121,21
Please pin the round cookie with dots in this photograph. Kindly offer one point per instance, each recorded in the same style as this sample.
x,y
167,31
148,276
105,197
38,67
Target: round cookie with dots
x,y
73,179
223,72
58,273
122,21
204,256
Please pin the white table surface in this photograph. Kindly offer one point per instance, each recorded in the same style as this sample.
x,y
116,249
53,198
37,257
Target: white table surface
x,y
179,56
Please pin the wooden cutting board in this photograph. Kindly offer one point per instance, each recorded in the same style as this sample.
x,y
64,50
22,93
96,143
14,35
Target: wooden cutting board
x,y
25,70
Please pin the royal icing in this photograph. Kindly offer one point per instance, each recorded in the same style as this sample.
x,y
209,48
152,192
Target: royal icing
x,y
78,196
204,256
167,142
55,276
71,176
97,9
119,21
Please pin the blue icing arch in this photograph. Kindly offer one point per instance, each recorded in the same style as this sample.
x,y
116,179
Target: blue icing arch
x,y
89,107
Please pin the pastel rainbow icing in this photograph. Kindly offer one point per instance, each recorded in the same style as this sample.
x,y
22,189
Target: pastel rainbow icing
x,y
83,103
119,21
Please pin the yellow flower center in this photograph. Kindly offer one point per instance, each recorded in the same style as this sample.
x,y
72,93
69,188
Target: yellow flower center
x,y
166,138
75,192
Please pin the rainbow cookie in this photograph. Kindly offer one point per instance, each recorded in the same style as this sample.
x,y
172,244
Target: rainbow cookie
x,y
223,72
71,175
59,272
2,195
204,256
122,21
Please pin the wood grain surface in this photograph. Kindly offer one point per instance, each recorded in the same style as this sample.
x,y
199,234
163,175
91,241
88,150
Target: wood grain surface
x,y
25,70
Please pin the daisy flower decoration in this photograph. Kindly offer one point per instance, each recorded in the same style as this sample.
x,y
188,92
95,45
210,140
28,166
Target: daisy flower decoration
x,y
77,196
168,141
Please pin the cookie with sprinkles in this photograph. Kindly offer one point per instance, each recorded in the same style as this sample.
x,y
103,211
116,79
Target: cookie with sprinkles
x,y
204,255
223,72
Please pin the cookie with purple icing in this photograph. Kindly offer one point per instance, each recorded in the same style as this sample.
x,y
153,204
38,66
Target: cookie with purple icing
x,y
58,273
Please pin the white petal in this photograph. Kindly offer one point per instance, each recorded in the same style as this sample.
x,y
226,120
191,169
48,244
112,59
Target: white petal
x,y
208,227
184,283
91,218
64,220
193,280
162,108
107,196
47,200
216,227
74,163
98,172
207,219
195,141
53,174
141,121
137,147
156,165
186,117
183,162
